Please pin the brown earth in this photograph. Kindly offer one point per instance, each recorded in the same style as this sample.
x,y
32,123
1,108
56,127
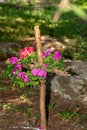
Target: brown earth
x,y
18,112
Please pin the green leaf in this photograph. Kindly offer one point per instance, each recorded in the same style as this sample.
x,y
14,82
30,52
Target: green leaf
x,y
9,70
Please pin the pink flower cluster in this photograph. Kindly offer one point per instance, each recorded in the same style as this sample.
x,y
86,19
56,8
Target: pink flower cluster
x,y
23,76
39,72
18,67
13,60
46,53
57,55
26,51
35,71
45,66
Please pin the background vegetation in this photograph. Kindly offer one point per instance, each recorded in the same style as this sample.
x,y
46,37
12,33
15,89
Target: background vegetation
x,y
17,21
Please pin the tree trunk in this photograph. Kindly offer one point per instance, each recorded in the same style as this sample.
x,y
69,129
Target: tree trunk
x,y
61,6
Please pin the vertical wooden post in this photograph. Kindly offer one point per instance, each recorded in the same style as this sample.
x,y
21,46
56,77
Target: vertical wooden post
x,y
43,86
38,44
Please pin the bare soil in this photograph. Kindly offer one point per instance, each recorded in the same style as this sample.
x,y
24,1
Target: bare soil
x,y
19,113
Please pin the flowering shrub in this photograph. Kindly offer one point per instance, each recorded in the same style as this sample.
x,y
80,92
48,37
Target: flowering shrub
x,y
26,71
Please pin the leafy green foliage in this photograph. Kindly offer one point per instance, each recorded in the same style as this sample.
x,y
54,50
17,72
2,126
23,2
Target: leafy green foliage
x,y
18,21
76,51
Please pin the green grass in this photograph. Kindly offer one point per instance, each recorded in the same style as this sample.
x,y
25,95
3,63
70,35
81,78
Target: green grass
x,y
75,116
17,22
68,115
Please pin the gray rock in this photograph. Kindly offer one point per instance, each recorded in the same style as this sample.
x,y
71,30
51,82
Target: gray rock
x,y
74,86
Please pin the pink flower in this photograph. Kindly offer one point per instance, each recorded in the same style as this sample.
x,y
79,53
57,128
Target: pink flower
x,y
13,60
26,51
42,73
23,53
29,50
14,71
45,65
16,68
57,55
46,53
35,71
24,76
